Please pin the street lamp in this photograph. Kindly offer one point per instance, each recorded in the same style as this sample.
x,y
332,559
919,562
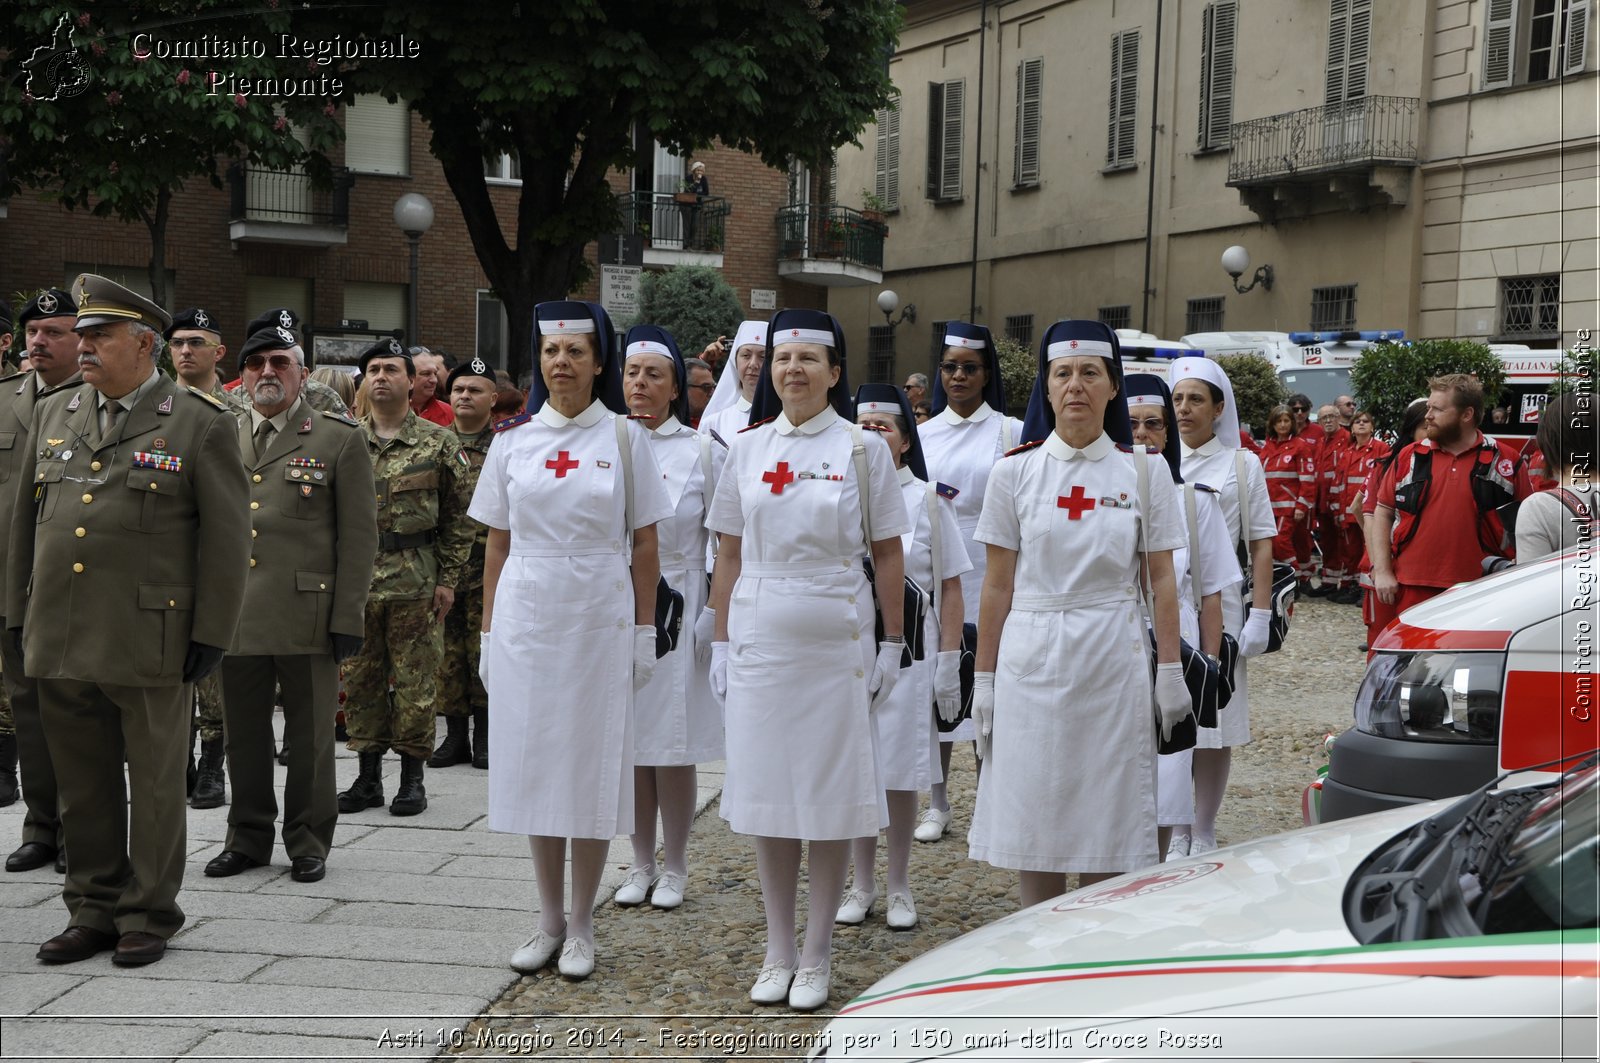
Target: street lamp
x,y
1236,260
414,214
888,302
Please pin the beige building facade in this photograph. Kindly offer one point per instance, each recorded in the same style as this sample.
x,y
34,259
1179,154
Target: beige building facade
x,y
1428,165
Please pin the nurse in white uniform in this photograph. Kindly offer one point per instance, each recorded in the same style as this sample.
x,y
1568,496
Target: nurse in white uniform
x,y
1208,422
677,724
1202,568
728,412
903,728
966,435
795,655
1062,694
568,630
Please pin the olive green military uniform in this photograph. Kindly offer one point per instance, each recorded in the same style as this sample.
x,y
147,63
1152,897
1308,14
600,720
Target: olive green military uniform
x,y
138,544
424,541
314,535
461,692
42,823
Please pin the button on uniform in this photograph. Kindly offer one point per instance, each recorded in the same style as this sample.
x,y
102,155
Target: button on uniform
x,y
80,532
77,566
255,505
87,498
256,478
94,466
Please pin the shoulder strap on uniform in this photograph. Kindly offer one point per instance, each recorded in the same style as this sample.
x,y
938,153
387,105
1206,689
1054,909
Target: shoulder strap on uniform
x,y
625,456
341,418
1024,448
209,398
1141,472
758,424
1574,504
1240,473
1193,519
858,454
933,543
511,422
1007,437
708,486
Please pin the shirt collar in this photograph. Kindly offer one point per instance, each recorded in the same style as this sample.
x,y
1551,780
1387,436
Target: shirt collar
x,y
812,427
949,415
1057,447
906,475
587,419
742,404
132,398
279,420
1205,450
670,427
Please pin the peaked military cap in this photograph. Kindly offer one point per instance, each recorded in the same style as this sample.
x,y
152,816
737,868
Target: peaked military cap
x,y
101,301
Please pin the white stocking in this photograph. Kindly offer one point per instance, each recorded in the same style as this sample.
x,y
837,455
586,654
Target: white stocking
x,y
549,861
676,788
644,817
1210,783
827,862
778,866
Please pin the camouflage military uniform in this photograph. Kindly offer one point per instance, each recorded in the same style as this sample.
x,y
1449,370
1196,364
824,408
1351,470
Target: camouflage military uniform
x,y
460,690
424,540
318,396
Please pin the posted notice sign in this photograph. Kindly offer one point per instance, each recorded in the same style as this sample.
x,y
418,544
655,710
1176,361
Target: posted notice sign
x,y
619,292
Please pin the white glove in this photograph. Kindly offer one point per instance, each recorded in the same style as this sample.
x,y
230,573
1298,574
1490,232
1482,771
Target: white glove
x,y
1253,638
483,658
705,629
885,673
983,710
644,654
719,672
1172,697
947,684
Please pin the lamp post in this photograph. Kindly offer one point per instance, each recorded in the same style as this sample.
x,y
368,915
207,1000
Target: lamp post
x,y
888,302
1236,260
413,213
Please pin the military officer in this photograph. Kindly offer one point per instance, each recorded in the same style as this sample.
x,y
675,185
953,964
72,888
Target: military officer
x,y
318,395
126,583
195,343
8,724
471,389
314,536
424,540
46,322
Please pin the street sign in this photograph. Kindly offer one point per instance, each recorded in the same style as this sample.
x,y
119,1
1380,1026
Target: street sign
x,y
763,299
621,249
619,292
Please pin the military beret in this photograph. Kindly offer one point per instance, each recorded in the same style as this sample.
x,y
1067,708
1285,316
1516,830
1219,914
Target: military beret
x,y
277,317
52,302
388,347
102,301
476,367
267,339
195,318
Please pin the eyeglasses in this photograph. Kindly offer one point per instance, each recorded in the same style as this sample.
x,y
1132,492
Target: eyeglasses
x,y
704,387
281,363
960,368
192,341
1151,424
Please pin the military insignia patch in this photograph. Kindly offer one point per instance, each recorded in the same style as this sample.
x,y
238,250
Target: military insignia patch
x,y
47,303
946,491
76,399
166,405
154,459
55,442
305,426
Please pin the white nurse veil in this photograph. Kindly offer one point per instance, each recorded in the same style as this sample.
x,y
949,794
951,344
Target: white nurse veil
x,y
1227,426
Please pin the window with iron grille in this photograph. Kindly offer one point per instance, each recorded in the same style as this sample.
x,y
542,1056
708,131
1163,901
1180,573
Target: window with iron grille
x,y
1203,315
1019,328
1030,98
1530,307
946,108
1116,316
938,341
1216,73
1333,308
886,161
1122,128
880,354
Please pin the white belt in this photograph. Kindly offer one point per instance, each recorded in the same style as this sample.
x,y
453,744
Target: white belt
x,y
1054,603
786,569
681,562
567,549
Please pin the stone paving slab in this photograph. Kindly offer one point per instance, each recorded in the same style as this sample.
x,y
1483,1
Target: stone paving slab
x,y
20,995
333,941
427,838
235,1047
28,894
507,922
96,1040
408,889
34,926
195,879
414,977
278,907
18,960
413,861
516,868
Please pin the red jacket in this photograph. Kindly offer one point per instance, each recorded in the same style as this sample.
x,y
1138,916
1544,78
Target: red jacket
x,y
1358,460
1330,470
1290,465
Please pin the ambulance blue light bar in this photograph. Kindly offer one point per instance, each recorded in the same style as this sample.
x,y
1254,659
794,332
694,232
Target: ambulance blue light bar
x,y
1348,336
1133,351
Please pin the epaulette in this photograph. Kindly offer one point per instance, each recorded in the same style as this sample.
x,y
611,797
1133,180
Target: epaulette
x,y
511,422
638,417
1206,488
712,432
340,417
758,424
1129,448
946,491
877,428
207,396
1024,448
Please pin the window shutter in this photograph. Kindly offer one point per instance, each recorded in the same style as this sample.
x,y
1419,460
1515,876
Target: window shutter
x,y
1349,33
1338,47
880,156
935,136
377,136
950,173
1499,38
1126,102
886,178
1206,16
1216,73
1030,85
1576,47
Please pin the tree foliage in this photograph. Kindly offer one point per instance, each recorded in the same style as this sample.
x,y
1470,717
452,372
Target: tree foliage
x,y
1018,366
98,120
1257,388
694,303
1390,375
1575,372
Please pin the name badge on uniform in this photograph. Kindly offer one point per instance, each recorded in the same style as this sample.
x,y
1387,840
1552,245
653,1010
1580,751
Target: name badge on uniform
x,y
1116,503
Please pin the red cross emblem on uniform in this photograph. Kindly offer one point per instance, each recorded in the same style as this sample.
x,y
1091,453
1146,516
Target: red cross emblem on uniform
x,y
561,324
794,332
1076,503
779,478
1073,344
561,463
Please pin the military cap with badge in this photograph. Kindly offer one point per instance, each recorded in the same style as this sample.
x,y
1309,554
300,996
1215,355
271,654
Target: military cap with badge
x,y
102,301
388,347
52,302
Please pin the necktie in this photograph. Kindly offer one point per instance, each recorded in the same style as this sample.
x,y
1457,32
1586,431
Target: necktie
x,y
264,433
113,411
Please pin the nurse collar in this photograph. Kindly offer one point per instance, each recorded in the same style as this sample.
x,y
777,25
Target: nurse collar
x,y
1059,448
1205,450
821,422
587,419
669,427
905,474
949,415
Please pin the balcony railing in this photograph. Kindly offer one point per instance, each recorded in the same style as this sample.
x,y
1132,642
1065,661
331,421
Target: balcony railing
x,y
807,231
1374,130
285,197
676,222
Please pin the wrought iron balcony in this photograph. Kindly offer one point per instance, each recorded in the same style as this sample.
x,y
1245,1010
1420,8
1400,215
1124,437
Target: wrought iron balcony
x,y
830,245
680,228
1352,149
282,206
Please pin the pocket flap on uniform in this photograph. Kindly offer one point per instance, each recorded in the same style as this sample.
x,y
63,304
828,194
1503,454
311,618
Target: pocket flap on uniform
x,y
156,481
7,440
313,581
49,472
415,481
308,477
165,596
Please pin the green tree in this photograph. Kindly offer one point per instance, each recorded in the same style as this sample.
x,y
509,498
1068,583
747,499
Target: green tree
x,y
1018,366
1576,372
97,121
1389,375
564,84
694,303
1257,388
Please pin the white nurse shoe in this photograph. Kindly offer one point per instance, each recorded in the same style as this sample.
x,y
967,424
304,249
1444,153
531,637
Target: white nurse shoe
x,y
772,984
577,959
536,952
902,913
636,887
810,988
669,890
856,907
931,825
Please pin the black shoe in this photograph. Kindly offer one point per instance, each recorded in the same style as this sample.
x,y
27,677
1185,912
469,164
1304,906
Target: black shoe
x,y
30,856
230,863
411,798
283,753
308,868
367,791
1320,591
339,732
1349,596
480,738
8,770
454,749
210,789
76,943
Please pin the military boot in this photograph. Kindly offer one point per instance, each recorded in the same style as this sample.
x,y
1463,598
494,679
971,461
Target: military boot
x,y
455,748
480,738
367,791
8,769
210,789
410,798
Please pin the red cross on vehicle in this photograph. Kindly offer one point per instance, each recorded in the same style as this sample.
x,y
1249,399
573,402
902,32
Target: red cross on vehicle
x,y
1076,503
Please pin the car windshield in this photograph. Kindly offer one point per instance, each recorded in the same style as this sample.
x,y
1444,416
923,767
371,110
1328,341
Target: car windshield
x,y
1321,386
1546,878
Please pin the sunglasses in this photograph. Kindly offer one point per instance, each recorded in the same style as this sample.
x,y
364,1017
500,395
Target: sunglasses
x,y
1151,424
1299,409
281,363
960,368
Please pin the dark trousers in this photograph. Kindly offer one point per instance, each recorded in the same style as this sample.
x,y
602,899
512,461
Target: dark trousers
x,y
310,690
42,823
128,841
